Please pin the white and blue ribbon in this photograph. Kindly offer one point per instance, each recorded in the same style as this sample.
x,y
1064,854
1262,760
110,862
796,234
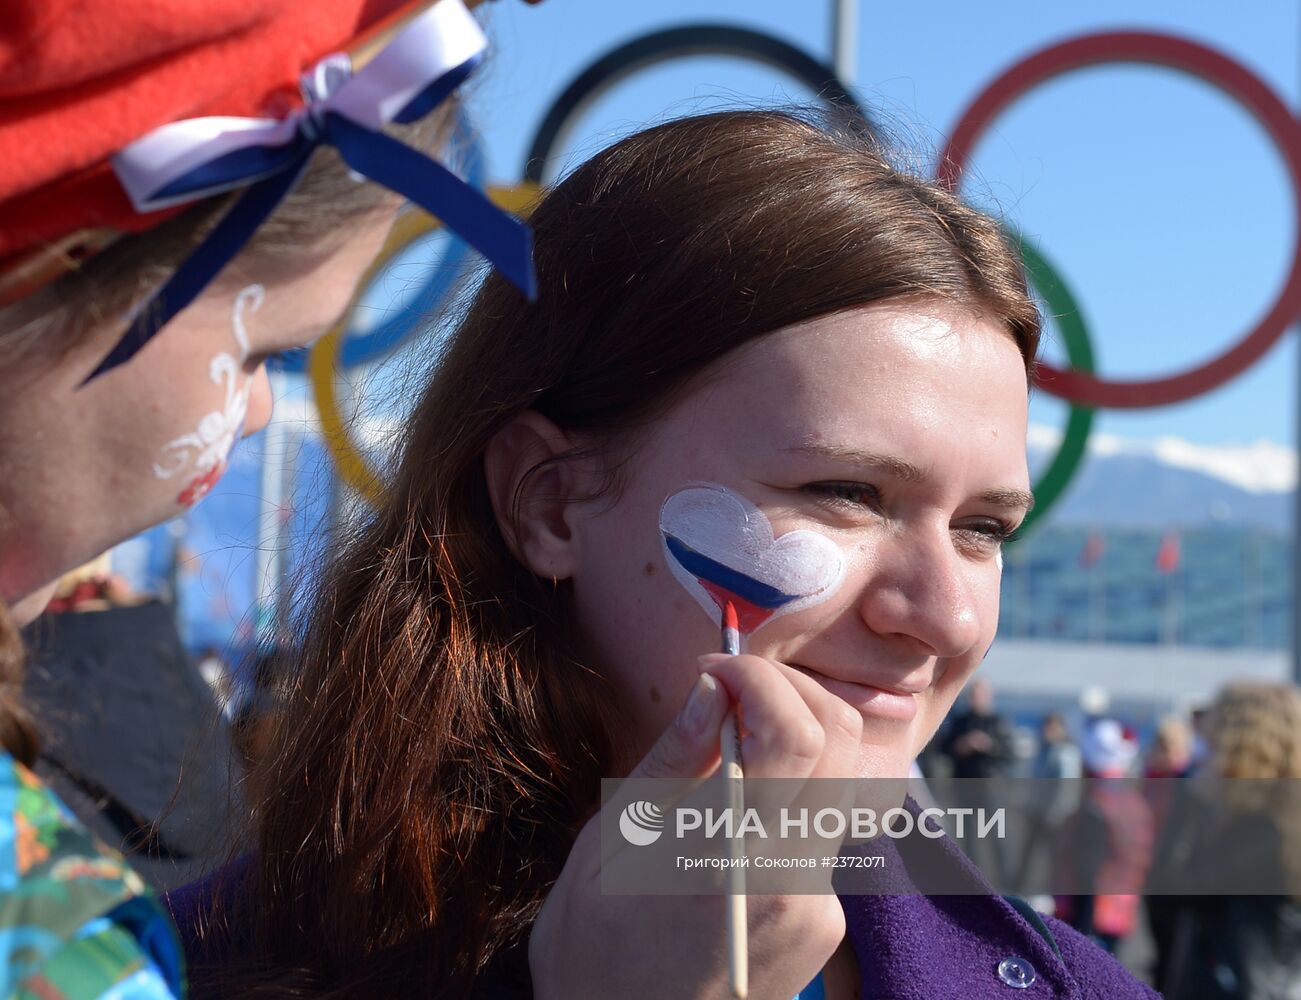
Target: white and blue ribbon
x,y
199,157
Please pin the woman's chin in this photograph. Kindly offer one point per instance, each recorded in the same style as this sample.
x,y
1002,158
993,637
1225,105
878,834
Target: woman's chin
x,y
884,758
29,608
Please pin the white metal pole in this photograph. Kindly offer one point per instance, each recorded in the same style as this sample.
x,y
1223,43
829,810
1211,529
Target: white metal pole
x,y
270,574
844,40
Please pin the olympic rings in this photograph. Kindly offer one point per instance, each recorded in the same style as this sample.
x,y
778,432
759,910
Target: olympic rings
x,y
325,354
672,43
1079,352
1220,71
1077,385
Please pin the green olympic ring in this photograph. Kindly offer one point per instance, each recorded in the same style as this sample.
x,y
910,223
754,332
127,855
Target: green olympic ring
x,y
1061,305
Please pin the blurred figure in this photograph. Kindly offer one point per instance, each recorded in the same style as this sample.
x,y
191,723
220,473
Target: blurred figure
x,y
255,711
1241,947
979,743
1171,754
1200,718
979,740
1170,757
1055,792
212,668
131,736
1106,846
92,587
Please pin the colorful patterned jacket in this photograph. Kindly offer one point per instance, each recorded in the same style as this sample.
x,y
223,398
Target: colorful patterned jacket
x,y
75,922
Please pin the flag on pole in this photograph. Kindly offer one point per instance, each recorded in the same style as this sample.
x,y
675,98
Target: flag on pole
x,y
1167,556
1092,551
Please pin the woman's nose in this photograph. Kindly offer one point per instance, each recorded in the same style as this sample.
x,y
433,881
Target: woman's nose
x,y
921,589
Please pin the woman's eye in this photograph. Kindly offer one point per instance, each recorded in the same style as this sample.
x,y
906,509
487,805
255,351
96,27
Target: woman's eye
x,y
990,533
846,494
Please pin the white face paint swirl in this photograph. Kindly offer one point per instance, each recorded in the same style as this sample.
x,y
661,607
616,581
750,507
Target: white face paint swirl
x,y
207,447
721,548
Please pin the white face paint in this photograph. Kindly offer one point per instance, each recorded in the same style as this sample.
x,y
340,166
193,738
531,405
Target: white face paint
x,y
205,450
720,547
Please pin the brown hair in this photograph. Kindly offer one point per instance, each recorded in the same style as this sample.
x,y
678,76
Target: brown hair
x,y
1254,732
444,740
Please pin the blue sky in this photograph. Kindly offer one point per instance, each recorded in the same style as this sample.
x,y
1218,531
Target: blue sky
x,y
1162,202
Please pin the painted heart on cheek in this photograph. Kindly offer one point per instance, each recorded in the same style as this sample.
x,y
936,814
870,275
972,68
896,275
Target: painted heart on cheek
x,y
721,548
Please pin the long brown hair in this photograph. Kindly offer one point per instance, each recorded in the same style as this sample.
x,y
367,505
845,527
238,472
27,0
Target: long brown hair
x,y
444,738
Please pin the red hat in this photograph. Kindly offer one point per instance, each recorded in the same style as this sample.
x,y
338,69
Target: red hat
x,y
81,79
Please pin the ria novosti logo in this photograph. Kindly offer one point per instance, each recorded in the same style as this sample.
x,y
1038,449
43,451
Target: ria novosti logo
x,y
641,823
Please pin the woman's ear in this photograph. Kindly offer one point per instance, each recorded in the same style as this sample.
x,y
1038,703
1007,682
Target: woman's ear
x,y
532,488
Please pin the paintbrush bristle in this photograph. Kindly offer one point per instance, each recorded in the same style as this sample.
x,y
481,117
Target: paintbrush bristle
x,y
729,616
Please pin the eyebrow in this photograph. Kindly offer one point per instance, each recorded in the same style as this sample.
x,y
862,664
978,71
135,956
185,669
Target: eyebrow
x,y
908,472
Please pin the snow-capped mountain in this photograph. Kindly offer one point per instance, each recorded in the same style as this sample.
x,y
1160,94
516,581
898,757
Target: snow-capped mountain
x,y
1169,482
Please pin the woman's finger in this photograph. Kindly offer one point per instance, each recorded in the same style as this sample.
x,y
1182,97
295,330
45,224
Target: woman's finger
x,y
781,735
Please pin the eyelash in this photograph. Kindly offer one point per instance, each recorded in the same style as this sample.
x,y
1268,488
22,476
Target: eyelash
x,y
833,495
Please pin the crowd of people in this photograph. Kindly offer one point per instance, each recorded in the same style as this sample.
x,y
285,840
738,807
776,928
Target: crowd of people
x,y
822,359
1146,847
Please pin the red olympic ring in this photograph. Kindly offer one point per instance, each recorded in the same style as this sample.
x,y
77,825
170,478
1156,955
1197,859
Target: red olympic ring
x,y
1220,71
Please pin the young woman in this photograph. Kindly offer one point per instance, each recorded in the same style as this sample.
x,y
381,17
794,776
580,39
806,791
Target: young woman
x,y
754,306
85,463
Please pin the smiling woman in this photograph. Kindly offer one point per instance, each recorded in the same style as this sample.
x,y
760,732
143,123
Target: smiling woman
x,y
762,361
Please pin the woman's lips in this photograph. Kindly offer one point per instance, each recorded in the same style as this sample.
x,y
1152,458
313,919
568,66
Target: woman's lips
x,y
875,702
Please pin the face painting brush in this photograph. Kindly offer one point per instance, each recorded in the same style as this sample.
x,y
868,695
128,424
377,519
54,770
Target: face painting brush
x,y
738,972
723,550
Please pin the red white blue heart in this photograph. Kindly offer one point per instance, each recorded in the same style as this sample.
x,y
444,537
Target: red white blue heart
x,y
721,548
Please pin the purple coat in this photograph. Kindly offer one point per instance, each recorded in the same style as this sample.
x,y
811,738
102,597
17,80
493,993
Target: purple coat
x,y
971,947
909,946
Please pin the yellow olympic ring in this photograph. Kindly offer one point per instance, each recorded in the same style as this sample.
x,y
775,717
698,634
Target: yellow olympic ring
x,y
351,463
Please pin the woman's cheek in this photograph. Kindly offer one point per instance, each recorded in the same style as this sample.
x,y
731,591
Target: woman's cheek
x,y
196,458
991,600
260,402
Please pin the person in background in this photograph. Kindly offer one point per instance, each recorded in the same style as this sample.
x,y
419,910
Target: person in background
x,y
256,709
212,667
1171,753
1169,759
1054,789
1200,720
149,267
979,739
979,743
92,587
1106,846
1245,836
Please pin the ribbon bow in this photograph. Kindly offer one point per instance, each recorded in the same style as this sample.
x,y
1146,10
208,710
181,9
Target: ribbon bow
x,y
193,159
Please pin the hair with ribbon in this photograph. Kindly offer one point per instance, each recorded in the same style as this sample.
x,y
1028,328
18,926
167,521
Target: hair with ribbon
x,y
444,739
75,255
81,96
347,105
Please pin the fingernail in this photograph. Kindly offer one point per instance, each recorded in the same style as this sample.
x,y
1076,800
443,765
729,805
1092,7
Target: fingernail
x,y
709,659
700,705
